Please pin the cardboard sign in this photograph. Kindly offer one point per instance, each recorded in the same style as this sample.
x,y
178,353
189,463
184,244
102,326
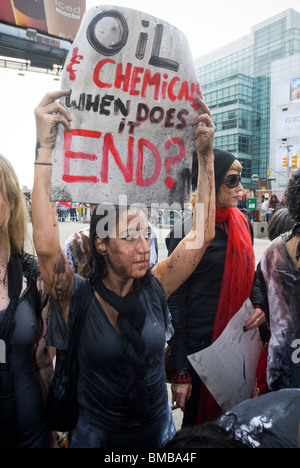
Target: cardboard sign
x,y
133,86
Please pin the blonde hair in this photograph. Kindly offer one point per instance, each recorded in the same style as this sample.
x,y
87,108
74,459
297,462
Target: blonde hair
x,y
235,166
13,229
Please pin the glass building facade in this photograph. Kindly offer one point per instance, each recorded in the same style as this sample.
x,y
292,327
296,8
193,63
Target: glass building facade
x,y
236,85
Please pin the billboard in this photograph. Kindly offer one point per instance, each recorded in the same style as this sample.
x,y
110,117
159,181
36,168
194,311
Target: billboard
x,y
54,17
133,87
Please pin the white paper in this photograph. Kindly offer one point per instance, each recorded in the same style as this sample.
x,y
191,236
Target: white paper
x,y
2,352
228,366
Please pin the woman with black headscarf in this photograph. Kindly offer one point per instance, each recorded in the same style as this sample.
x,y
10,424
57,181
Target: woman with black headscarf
x,y
202,307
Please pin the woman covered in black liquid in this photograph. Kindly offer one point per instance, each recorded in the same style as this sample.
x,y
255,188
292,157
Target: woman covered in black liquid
x,y
122,395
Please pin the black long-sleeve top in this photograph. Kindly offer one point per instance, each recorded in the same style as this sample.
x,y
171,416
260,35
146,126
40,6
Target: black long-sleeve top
x,y
194,305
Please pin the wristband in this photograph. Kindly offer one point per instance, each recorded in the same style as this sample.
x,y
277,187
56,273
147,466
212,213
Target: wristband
x,y
181,377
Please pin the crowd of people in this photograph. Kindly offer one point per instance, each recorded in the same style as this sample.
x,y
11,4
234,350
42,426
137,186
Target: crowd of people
x,y
130,305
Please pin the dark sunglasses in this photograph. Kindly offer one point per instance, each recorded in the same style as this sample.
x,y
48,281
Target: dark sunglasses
x,y
232,180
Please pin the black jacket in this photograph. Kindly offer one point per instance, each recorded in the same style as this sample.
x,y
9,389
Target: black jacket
x,y
194,305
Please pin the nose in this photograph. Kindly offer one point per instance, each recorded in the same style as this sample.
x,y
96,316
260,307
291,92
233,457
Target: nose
x,y
143,244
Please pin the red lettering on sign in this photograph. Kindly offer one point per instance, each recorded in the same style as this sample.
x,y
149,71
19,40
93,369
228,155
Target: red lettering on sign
x,y
75,60
68,154
125,79
109,147
170,183
128,80
97,71
140,163
171,88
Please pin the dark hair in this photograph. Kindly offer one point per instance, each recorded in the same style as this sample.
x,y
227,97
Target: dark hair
x,y
207,435
279,223
107,215
292,197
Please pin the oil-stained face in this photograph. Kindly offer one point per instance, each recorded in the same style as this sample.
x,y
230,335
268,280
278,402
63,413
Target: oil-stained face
x,y
128,249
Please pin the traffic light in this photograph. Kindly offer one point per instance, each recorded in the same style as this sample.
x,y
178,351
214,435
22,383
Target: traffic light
x,y
268,173
285,161
295,160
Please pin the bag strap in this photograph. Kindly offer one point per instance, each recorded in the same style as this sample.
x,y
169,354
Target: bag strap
x,y
83,301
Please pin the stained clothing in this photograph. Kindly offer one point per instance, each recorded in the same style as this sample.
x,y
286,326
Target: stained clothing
x,y
194,306
107,418
268,421
30,421
283,280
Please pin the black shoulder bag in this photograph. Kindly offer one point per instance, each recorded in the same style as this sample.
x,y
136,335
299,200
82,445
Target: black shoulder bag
x,y
62,411
7,392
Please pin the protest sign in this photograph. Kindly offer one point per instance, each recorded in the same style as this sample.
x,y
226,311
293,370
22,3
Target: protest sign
x,y
133,88
228,367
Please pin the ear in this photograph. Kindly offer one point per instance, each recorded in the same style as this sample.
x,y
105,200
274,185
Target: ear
x,y
100,246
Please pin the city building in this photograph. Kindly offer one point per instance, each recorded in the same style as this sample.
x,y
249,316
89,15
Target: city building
x,y
250,86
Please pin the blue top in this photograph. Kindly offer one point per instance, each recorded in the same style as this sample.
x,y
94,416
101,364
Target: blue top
x,y
105,374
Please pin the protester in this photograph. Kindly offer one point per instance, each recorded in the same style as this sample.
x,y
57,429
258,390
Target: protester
x,y
273,204
205,303
77,250
123,400
242,203
265,207
279,224
280,265
270,421
21,322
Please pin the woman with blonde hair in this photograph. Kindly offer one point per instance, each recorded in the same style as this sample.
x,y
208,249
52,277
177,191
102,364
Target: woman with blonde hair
x,y
22,422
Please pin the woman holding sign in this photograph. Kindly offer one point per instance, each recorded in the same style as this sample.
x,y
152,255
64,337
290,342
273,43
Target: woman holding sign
x,y
122,395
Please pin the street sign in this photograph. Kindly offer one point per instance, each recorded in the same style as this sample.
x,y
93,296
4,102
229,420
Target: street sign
x,y
251,204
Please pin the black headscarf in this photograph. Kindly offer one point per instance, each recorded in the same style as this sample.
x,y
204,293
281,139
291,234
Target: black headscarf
x,y
223,162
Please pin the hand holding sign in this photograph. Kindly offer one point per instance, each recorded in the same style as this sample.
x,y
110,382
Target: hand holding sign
x,y
49,114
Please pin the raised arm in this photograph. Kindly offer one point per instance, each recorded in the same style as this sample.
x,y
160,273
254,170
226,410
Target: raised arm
x,y
55,269
174,270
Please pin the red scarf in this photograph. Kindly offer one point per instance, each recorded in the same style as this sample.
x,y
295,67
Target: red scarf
x,y
236,287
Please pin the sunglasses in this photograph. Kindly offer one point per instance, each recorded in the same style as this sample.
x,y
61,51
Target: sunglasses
x,y
232,180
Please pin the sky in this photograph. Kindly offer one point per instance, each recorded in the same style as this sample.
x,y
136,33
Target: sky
x,y
207,26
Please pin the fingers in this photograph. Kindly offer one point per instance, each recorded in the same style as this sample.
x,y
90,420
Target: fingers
x,y
257,319
204,130
53,96
181,393
201,107
49,114
51,106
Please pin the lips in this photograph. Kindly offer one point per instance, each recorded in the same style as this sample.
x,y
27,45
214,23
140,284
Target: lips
x,y
142,263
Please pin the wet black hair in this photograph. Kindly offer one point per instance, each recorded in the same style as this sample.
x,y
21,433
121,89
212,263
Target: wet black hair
x,y
207,435
292,197
279,223
106,216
